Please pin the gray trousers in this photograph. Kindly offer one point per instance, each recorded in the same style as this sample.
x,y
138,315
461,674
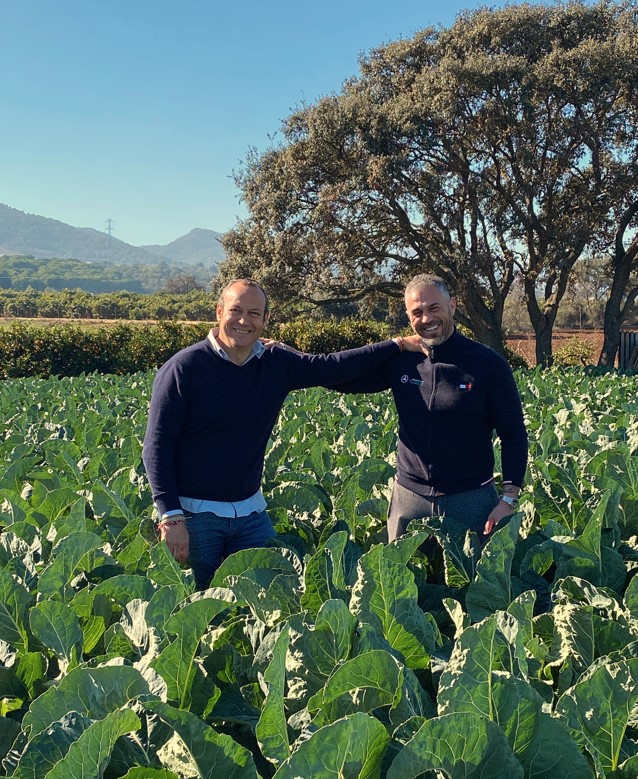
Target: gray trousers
x,y
469,509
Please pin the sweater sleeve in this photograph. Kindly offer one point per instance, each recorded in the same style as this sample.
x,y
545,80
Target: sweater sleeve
x,y
165,419
374,381
509,424
326,370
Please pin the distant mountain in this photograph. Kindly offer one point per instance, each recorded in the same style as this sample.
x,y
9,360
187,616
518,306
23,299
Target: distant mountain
x,y
41,237
197,246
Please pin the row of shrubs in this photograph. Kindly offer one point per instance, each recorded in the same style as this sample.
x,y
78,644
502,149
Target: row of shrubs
x,y
71,349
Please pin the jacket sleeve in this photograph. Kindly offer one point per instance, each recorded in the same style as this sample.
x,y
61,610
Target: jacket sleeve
x,y
328,370
374,381
165,418
509,424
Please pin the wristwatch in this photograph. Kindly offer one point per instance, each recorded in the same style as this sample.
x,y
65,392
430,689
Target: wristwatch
x,y
511,502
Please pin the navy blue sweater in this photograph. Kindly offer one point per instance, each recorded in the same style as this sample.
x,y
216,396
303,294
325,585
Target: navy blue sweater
x,y
449,406
210,420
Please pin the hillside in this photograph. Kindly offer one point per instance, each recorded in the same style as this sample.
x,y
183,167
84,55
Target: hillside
x,y
42,237
197,246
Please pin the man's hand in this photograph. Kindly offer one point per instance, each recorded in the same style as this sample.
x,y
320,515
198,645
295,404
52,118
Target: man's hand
x,y
496,515
414,343
176,538
270,342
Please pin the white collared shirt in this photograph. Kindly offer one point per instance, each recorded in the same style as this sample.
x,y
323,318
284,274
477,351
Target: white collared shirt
x,y
257,350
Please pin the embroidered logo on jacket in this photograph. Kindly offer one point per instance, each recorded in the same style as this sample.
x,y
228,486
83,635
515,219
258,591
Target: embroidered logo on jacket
x,y
465,387
405,379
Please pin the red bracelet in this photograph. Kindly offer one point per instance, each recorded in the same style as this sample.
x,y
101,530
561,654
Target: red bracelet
x,y
169,522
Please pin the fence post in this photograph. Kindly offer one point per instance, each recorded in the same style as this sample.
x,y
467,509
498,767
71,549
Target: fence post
x,y
628,350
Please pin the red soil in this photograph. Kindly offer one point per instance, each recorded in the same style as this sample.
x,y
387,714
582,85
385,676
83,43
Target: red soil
x,y
525,344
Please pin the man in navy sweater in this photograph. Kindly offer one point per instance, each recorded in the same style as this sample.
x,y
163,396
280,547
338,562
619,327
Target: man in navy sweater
x,y
450,402
213,408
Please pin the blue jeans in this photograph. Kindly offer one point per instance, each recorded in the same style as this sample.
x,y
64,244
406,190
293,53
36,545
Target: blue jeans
x,y
468,509
211,538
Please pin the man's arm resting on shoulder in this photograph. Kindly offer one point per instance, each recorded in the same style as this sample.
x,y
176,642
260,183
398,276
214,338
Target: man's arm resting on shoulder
x,y
374,380
412,343
370,381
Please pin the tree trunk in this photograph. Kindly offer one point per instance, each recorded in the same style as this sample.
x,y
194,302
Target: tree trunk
x,y
543,318
611,336
544,332
543,324
485,323
615,315
484,333
615,310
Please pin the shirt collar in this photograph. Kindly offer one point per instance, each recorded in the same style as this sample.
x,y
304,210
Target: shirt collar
x,y
257,350
440,352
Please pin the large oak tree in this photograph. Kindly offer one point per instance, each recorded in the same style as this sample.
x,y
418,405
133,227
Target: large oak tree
x,y
503,148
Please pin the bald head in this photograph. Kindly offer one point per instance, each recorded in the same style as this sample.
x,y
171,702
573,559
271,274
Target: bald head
x,y
247,282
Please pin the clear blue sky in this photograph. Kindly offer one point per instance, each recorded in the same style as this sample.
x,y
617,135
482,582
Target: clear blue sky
x,y
139,111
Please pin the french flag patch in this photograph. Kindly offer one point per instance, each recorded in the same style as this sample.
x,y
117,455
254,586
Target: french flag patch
x,y
465,387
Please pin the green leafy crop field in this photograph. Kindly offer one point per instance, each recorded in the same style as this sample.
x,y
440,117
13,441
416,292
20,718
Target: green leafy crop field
x,y
330,653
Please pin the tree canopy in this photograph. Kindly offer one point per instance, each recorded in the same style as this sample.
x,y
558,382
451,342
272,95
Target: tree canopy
x,y
499,151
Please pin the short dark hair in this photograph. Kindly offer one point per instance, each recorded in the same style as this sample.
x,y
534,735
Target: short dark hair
x,y
428,280
247,283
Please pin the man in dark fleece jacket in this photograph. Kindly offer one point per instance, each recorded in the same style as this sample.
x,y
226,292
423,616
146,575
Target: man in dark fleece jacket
x,y
213,408
450,403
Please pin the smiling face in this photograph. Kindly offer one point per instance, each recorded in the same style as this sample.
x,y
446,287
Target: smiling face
x,y
431,314
242,318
